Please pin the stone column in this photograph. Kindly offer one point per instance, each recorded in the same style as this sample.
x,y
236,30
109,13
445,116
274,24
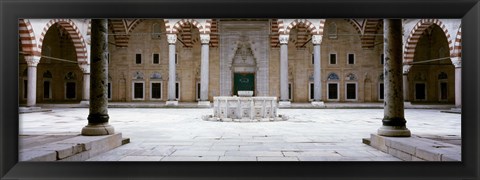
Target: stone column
x,y
172,39
205,39
317,75
284,101
32,62
394,123
98,117
457,62
406,90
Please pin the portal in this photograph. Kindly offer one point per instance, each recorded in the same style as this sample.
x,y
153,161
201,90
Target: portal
x,y
243,82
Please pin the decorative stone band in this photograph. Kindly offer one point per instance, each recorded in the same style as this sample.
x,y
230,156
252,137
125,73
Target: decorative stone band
x,y
32,60
204,38
172,38
406,68
317,39
457,62
283,38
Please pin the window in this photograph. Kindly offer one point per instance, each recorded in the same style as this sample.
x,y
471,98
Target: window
x,y
198,91
351,58
138,92
70,90
47,93
313,58
156,58
108,59
290,91
311,91
332,91
332,31
176,58
333,58
138,58
25,89
156,90
382,59
156,31
351,91
177,91
443,91
381,91
109,95
420,91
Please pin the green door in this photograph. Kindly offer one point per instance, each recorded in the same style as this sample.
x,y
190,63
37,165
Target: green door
x,y
243,82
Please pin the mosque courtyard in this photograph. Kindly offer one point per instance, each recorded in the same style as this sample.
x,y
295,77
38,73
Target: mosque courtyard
x,y
180,134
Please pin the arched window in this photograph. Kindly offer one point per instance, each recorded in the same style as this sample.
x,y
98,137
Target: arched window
x,y
332,76
332,31
156,31
442,75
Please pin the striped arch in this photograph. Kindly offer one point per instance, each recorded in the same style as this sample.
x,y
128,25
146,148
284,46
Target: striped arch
x,y
305,22
367,29
457,46
27,37
370,30
417,32
74,33
121,29
178,26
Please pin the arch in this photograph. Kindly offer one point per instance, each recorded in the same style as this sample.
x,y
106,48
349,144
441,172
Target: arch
x,y
178,26
27,38
309,25
70,76
457,47
75,35
442,75
417,33
333,77
47,74
351,77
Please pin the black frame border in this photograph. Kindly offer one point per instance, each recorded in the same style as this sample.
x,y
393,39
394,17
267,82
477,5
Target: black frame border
x,y
11,11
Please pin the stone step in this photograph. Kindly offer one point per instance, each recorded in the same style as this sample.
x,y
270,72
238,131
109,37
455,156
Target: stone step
x,y
415,148
78,148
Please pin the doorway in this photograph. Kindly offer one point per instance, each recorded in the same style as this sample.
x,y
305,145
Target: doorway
x,y
243,82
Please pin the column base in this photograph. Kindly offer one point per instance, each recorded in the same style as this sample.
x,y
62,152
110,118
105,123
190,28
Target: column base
x,y
171,103
85,103
98,130
284,104
203,104
394,131
319,104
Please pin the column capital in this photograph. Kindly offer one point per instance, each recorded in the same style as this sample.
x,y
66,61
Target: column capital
x,y
283,38
32,60
204,38
172,38
317,39
457,62
85,68
406,69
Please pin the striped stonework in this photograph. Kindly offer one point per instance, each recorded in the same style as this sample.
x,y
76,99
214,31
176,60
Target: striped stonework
x,y
417,32
69,26
27,38
121,29
367,30
214,33
457,47
274,42
309,25
177,27
370,30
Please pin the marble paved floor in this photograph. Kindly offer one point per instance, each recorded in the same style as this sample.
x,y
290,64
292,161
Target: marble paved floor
x,y
169,134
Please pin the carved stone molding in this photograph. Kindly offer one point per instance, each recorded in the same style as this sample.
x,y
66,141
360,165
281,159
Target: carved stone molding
x,y
204,38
